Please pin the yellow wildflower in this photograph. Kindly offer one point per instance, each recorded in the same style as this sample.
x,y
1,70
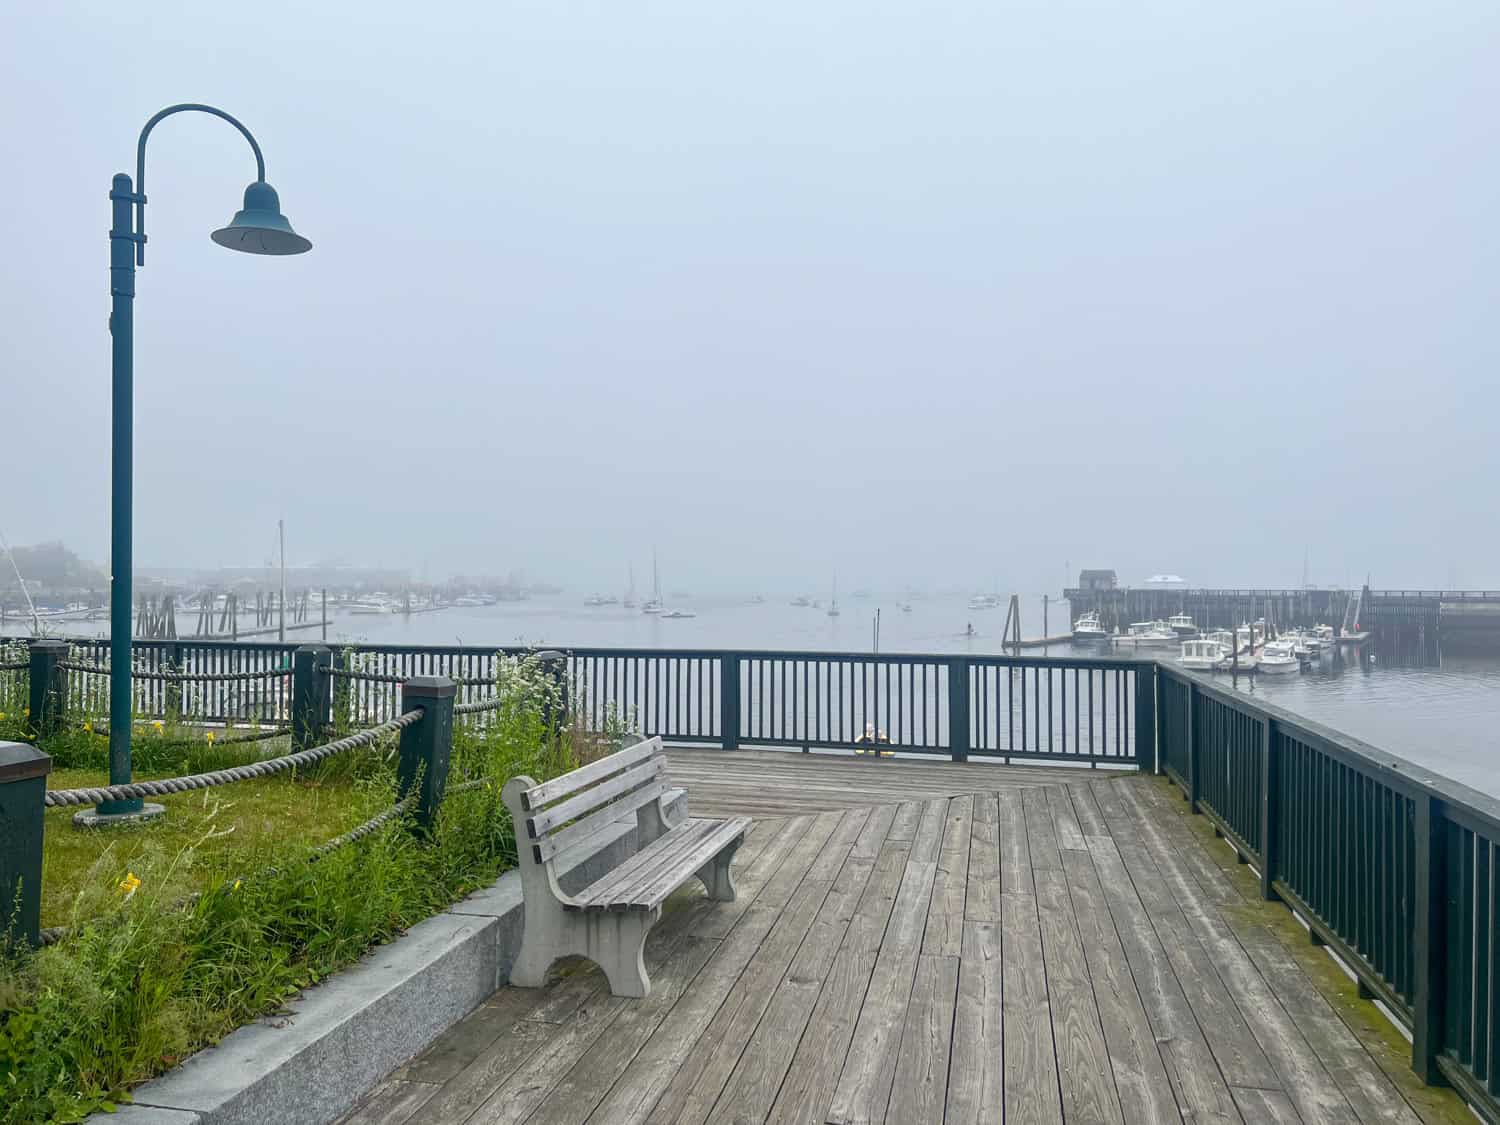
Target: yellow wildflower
x,y
130,883
236,885
89,727
210,736
157,723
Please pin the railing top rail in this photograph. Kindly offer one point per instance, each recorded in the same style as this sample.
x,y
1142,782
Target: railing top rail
x,y
1399,773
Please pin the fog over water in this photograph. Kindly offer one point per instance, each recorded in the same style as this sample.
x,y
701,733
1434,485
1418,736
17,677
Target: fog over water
x,y
920,294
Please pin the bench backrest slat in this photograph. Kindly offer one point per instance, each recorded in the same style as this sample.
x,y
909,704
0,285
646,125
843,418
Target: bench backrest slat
x,y
576,780
550,844
541,822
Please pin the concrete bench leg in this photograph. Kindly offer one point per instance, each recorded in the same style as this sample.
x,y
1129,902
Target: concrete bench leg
x,y
530,971
617,944
717,875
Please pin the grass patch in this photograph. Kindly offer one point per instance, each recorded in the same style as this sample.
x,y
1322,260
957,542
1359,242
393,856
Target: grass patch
x,y
150,972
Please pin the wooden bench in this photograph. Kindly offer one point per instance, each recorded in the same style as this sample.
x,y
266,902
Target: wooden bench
x,y
608,921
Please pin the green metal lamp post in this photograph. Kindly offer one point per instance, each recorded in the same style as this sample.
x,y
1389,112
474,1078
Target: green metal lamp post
x,y
260,228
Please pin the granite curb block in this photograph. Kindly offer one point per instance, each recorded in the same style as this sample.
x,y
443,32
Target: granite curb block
x,y
335,1042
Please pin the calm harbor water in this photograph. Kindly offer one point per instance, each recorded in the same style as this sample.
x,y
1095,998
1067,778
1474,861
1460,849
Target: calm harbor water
x,y
1443,716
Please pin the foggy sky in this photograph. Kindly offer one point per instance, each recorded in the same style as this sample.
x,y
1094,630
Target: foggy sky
x,y
934,293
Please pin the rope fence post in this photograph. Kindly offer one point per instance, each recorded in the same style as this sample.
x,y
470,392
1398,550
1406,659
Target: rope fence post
x,y
23,788
426,745
49,686
311,711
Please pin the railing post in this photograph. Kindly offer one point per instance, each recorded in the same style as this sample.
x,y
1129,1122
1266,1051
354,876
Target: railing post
x,y
958,708
554,666
1192,747
172,689
23,786
341,686
1268,809
1429,955
729,701
310,695
1161,720
1146,750
425,746
49,686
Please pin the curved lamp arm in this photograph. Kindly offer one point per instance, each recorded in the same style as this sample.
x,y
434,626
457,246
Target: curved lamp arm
x,y
140,164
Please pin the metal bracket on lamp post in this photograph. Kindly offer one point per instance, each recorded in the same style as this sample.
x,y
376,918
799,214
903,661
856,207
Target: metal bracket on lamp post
x,y
258,228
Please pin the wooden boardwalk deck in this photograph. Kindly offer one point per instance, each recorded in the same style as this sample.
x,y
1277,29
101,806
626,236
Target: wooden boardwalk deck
x,y
1045,946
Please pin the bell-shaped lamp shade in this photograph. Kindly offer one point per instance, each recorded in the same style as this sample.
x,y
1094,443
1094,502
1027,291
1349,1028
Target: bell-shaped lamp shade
x,y
261,228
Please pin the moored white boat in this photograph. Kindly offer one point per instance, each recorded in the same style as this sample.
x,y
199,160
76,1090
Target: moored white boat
x,y
1147,634
1201,654
1089,630
1278,658
1183,625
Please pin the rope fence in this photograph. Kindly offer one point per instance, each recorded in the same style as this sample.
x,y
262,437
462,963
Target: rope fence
x,y
167,786
252,736
379,820
173,677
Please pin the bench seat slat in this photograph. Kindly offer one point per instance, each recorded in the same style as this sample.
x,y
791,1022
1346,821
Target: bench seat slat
x,y
569,783
648,878
654,858
650,894
548,846
591,799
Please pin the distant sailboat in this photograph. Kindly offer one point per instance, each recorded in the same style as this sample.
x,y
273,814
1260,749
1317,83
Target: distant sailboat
x,y
654,605
629,602
833,604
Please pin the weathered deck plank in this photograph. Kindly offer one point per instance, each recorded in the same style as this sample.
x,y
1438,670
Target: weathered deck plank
x,y
920,1089
1031,1092
982,896
1141,1081
865,1084
976,1088
945,918
1083,1069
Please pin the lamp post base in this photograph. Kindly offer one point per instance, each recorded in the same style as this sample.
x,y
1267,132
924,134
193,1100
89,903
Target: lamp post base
x,y
92,818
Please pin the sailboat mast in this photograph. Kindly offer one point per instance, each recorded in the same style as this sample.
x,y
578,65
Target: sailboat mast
x,y
281,538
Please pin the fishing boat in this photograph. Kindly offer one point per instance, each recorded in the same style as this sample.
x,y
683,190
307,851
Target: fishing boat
x,y
1183,625
1278,658
984,601
1089,630
676,613
1147,634
1201,655
802,603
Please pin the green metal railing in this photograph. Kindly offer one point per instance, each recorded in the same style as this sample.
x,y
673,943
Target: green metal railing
x,y
1393,867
